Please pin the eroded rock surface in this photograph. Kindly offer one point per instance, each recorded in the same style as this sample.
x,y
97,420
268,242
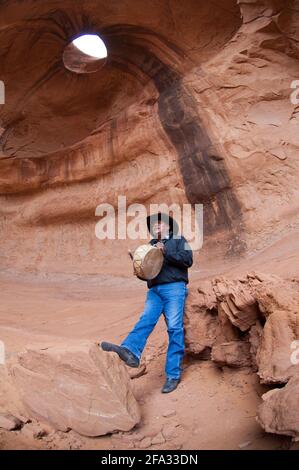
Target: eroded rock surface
x,y
201,322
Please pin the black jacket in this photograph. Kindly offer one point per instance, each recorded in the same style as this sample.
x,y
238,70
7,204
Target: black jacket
x,y
176,262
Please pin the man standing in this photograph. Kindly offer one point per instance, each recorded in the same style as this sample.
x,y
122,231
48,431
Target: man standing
x,y
166,294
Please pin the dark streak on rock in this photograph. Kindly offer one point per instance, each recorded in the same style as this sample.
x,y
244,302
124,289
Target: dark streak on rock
x,y
204,173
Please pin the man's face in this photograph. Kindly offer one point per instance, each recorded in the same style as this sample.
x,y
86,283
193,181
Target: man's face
x,y
160,229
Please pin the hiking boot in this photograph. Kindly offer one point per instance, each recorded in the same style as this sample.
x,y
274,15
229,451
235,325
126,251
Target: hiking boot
x,y
170,385
125,355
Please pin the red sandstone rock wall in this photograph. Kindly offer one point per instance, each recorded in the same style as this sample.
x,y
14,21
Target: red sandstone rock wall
x,y
193,105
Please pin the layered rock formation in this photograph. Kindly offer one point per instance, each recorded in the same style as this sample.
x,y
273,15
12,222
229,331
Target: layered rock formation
x,y
253,322
74,386
192,105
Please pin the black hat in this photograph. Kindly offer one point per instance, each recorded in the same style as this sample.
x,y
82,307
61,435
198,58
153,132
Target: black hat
x,y
151,219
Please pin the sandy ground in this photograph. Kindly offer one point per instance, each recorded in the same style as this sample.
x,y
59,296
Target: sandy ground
x,y
212,408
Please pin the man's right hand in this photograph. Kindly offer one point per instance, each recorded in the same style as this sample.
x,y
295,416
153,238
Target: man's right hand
x,y
161,246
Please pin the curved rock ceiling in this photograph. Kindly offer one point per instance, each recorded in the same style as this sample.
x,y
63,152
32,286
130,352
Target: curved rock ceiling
x,y
156,42
193,104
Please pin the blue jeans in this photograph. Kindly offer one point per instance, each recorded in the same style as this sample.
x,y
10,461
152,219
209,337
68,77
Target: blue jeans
x,y
170,299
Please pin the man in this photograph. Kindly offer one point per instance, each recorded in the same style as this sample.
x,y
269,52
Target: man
x,y
167,293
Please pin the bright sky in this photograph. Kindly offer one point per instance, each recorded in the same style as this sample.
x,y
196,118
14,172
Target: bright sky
x,y
92,45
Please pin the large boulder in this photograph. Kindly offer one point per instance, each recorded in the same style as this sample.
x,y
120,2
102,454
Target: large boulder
x,y
279,412
274,352
75,386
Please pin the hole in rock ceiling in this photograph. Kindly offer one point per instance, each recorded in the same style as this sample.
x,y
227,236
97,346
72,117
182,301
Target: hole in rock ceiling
x,y
85,54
